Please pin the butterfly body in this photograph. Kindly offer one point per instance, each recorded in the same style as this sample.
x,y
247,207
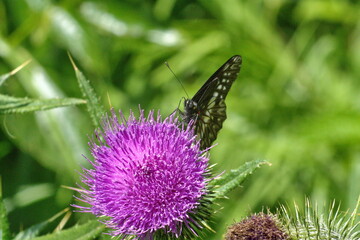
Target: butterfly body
x,y
207,108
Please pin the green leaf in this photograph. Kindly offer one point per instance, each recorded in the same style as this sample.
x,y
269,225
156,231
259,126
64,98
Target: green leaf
x,y
4,224
95,109
86,231
32,231
9,104
227,182
35,230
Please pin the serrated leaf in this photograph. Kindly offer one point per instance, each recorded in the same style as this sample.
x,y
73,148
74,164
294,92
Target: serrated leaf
x,y
86,231
9,104
95,109
227,182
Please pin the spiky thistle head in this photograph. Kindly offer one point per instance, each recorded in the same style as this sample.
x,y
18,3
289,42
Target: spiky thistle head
x,y
149,177
313,224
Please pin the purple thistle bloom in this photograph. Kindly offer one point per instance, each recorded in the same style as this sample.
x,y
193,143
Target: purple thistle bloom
x,y
148,175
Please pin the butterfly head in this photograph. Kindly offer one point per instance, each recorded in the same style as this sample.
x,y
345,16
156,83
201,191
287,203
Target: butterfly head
x,y
191,110
190,105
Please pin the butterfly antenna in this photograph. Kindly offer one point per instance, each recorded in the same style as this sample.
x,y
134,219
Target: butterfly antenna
x,y
168,66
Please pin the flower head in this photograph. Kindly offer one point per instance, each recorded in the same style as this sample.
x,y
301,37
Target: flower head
x,y
148,176
258,226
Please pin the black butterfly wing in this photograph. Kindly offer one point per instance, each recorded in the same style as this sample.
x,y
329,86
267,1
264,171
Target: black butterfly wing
x,y
220,81
209,122
207,108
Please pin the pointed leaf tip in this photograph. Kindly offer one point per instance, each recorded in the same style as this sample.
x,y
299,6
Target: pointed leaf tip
x,y
72,62
4,77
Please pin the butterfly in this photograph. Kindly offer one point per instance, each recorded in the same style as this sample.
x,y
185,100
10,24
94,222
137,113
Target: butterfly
x,y
207,108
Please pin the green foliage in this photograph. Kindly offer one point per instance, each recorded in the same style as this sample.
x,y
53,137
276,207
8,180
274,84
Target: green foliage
x,y
86,231
226,183
10,104
36,229
94,107
4,223
295,103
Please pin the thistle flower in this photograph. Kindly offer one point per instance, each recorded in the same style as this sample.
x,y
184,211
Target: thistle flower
x,y
149,177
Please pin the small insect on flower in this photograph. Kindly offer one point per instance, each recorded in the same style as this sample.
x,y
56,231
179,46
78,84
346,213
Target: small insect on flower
x,y
149,178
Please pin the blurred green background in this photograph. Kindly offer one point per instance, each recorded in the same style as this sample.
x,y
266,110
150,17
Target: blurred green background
x,y
296,102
